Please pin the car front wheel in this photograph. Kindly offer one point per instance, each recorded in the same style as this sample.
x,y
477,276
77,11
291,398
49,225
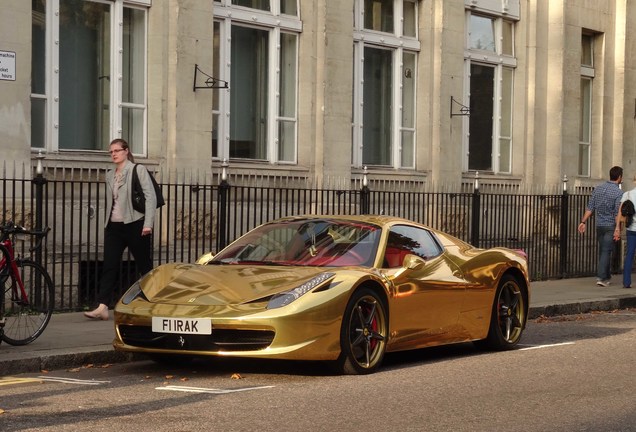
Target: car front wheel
x,y
363,334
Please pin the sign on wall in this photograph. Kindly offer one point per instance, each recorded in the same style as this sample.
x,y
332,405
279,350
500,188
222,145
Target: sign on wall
x,y
7,65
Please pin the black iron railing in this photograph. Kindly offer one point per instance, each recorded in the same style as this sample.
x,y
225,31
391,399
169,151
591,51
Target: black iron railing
x,y
202,218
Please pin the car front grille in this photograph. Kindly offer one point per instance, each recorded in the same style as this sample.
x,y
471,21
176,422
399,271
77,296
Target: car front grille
x,y
219,340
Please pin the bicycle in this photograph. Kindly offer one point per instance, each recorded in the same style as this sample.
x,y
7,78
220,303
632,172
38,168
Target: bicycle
x,y
28,293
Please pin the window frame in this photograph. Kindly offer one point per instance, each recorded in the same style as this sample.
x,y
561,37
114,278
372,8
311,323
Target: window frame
x,y
501,63
46,85
275,8
51,96
585,129
400,45
275,24
118,123
587,74
409,230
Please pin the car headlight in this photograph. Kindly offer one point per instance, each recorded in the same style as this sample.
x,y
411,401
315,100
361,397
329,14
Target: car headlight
x,y
133,292
283,299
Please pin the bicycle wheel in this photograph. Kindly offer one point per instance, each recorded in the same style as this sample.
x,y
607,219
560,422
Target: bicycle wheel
x,y
26,320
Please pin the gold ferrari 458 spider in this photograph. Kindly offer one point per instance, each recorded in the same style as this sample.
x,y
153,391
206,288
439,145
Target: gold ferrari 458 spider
x,y
343,289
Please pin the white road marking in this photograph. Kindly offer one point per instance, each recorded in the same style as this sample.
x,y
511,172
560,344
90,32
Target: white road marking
x,y
209,390
545,346
72,380
12,380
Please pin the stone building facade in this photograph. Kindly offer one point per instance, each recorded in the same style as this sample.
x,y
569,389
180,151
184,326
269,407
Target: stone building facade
x,y
426,92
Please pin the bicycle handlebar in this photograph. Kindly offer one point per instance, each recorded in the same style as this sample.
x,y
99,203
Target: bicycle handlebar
x,y
12,228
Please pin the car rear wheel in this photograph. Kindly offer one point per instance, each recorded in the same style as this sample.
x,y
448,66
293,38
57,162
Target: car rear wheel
x,y
508,319
363,334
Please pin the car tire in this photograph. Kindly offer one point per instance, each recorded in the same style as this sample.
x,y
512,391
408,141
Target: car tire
x,y
363,334
508,315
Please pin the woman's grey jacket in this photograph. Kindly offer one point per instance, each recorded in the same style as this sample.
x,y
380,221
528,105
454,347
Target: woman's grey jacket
x,y
125,191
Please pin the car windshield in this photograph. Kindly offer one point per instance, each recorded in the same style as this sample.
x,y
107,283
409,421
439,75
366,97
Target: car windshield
x,y
306,242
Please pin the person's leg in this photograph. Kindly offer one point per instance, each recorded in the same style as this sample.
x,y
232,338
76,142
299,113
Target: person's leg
x,y
629,258
114,245
140,246
605,246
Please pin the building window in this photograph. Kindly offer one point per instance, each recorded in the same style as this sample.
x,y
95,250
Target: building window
x,y
256,4
585,117
216,95
490,65
89,74
256,51
38,75
133,73
287,97
385,53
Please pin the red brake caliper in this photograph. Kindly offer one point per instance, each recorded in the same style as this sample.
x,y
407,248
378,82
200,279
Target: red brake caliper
x,y
374,327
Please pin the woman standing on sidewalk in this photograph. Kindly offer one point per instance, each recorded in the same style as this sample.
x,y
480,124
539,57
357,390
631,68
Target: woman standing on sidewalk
x,y
125,227
626,215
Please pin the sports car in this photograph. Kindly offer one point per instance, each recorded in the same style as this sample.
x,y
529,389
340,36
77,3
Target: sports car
x,y
340,289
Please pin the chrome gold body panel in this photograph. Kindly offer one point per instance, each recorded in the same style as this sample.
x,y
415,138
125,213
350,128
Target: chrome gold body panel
x,y
272,308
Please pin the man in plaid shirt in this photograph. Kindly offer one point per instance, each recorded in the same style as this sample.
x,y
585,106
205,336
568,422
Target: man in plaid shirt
x,y
604,202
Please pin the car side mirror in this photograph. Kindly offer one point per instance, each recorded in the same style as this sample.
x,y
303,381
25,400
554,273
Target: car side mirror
x,y
410,264
206,258
413,262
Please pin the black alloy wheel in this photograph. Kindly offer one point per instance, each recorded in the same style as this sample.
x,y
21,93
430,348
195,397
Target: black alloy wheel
x,y
508,319
363,335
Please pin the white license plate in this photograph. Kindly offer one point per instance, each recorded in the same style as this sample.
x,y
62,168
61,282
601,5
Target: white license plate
x,y
181,325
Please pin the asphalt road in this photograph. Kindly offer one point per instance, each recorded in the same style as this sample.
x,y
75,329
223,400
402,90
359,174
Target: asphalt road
x,y
572,373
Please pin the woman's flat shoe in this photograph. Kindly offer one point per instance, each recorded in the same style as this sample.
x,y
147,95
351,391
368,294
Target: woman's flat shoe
x,y
97,314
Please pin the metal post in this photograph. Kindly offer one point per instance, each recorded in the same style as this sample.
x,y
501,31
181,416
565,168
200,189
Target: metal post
x,y
224,191
617,257
39,181
365,194
475,220
564,227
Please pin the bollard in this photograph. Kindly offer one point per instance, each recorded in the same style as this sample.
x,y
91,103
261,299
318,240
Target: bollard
x,y
365,194
38,183
564,227
475,219
224,192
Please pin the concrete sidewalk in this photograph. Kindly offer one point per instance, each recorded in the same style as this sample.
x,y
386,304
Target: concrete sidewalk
x,y
70,340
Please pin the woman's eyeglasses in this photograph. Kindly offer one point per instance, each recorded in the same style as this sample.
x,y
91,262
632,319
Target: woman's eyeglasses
x,y
113,151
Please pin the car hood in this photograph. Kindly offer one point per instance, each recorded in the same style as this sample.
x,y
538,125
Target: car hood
x,y
216,285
